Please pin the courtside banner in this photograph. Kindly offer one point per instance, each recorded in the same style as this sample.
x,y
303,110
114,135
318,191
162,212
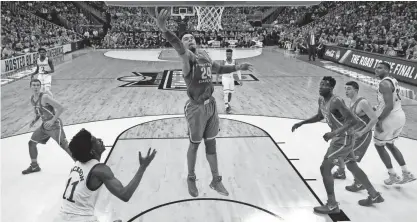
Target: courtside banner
x,y
403,70
20,62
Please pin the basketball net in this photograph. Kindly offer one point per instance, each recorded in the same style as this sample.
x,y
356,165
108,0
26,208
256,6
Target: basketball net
x,y
209,17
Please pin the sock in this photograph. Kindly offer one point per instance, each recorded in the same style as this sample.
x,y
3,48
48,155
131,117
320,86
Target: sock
x,y
404,168
391,171
331,198
226,98
34,162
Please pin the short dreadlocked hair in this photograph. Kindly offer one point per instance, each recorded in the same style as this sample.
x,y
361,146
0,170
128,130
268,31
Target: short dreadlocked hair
x,y
331,80
81,146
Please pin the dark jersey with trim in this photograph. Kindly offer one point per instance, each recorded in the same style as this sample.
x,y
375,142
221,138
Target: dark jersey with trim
x,y
46,112
199,84
334,120
362,120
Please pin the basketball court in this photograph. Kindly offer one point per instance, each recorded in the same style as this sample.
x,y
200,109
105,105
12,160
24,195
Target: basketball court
x,y
134,99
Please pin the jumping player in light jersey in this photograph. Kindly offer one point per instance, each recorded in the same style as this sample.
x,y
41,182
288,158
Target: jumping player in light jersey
x,y
200,110
362,111
341,121
87,176
391,121
228,80
49,110
44,69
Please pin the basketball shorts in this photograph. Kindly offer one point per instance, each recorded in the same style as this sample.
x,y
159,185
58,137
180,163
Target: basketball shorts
x,y
228,84
56,131
64,217
392,126
202,120
46,82
341,147
361,145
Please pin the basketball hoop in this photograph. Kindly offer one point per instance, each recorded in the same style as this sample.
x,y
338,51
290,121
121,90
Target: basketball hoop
x,y
209,17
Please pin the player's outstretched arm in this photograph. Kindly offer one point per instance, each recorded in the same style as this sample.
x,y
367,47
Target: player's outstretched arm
x,y
37,117
340,106
51,65
36,72
386,90
222,69
124,193
59,108
161,19
314,119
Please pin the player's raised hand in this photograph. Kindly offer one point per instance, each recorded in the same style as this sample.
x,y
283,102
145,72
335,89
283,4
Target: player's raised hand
x,y
296,126
160,17
144,162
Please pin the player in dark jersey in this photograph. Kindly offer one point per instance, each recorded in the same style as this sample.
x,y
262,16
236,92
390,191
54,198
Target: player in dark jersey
x,y
366,116
49,110
200,110
341,122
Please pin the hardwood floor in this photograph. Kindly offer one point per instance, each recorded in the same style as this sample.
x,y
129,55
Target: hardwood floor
x,y
88,89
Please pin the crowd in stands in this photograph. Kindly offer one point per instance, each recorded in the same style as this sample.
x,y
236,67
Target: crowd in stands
x,y
387,28
70,14
23,33
380,27
133,27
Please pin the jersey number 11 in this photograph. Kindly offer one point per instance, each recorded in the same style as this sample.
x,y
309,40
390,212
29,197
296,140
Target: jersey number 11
x,y
74,185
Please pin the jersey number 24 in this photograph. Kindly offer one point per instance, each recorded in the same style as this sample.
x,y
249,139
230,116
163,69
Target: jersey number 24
x,y
206,72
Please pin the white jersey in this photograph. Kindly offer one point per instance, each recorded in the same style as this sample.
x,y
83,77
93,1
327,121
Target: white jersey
x,y
395,95
226,63
78,198
43,65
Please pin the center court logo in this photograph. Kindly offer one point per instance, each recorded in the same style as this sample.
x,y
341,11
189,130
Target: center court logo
x,y
168,80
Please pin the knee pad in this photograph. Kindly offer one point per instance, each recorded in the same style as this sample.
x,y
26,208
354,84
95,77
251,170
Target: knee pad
x,y
32,143
210,146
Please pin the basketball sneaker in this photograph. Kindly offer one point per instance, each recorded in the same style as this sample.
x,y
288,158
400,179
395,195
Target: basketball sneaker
x,y
339,174
34,167
228,109
329,208
192,187
407,177
393,178
217,185
371,200
355,187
